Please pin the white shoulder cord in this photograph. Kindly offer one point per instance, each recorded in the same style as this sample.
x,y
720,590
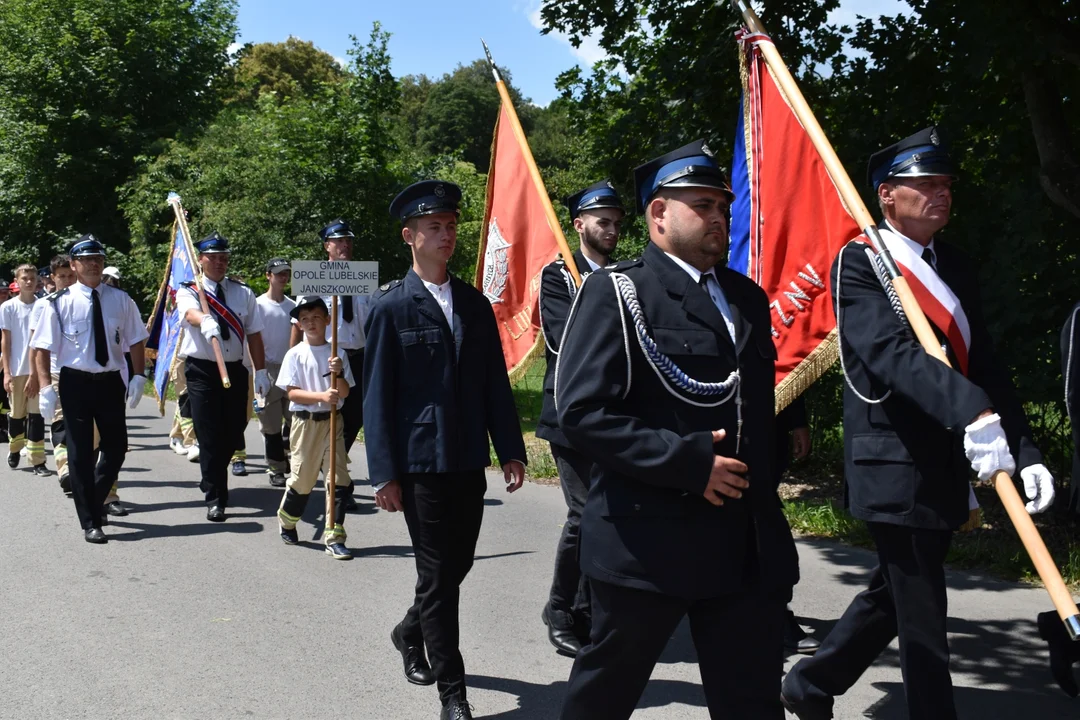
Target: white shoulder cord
x,y
840,334
572,289
1068,361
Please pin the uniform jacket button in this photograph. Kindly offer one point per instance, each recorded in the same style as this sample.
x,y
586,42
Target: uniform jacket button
x,y
637,507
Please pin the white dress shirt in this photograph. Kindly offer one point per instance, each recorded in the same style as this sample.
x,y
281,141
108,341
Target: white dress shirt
x,y
35,320
444,298
240,300
715,291
66,328
276,327
915,247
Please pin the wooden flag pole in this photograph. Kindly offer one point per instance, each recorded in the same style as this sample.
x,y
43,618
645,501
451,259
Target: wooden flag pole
x,y
1006,489
331,472
215,344
534,171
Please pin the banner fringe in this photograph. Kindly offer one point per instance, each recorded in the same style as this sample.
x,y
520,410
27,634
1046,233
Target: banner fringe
x,y
808,371
536,352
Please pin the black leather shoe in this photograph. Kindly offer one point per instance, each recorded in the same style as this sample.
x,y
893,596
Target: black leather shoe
x,y
795,638
116,509
277,480
417,670
96,536
561,631
456,709
804,709
13,460
215,514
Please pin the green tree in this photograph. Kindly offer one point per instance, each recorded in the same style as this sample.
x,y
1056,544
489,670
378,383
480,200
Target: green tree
x,y
85,87
289,69
270,175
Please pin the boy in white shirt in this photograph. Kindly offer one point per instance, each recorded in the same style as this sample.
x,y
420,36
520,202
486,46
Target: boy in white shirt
x,y
26,427
305,376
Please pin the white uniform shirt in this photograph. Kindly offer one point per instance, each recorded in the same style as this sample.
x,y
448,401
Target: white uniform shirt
x,y
15,318
715,291
240,300
444,297
35,320
276,327
66,328
308,367
349,335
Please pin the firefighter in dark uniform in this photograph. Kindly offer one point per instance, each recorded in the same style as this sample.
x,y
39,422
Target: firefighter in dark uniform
x,y
88,326
665,381
435,389
219,414
597,213
909,421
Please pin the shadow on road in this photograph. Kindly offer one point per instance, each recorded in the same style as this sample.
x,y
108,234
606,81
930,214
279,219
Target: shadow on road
x,y
147,532
542,702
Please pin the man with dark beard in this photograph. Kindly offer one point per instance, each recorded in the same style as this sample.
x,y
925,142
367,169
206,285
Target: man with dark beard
x,y
597,213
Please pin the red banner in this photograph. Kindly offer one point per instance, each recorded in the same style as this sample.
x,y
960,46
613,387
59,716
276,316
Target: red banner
x,y
515,245
787,227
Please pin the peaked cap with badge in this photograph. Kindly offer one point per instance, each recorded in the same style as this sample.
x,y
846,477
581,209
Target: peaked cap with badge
x,y
213,244
692,165
87,246
426,197
336,229
923,154
596,196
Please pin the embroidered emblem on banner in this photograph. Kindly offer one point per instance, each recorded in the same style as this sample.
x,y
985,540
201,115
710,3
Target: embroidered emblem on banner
x,y
496,265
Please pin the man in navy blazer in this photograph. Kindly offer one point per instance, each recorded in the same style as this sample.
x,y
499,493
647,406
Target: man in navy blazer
x,y
435,389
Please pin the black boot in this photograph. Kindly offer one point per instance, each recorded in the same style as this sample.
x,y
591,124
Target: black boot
x,y
795,638
456,709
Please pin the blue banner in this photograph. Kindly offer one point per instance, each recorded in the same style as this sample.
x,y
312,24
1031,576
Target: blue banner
x,y
165,330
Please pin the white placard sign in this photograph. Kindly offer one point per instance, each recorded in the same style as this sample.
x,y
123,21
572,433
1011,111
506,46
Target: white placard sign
x,y
335,277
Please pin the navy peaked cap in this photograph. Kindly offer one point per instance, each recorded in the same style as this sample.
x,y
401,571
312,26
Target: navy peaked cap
x,y
924,153
426,197
598,195
87,246
212,244
692,165
336,229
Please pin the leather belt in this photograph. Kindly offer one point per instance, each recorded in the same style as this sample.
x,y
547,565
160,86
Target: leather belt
x,y
354,352
308,415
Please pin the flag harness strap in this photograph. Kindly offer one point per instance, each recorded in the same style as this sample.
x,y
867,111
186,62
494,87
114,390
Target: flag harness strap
x,y
671,376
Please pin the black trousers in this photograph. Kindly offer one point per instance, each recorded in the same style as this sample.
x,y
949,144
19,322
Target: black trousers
x,y
569,587
906,598
89,398
443,512
352,410
219,416
739,642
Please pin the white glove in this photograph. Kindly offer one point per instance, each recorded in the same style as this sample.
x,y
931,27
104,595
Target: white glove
x,y
47,402
986,447
135,391
209,328
262,382
1039,487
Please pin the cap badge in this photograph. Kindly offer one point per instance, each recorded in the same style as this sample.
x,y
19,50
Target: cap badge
x,y
440,191
934,137
705,149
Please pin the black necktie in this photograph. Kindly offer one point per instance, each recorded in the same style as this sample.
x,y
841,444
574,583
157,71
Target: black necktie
x,y
346,308
220,292
101,343
929,259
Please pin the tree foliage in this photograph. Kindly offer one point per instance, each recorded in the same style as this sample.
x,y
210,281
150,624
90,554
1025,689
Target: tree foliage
x,y
293,68
85,87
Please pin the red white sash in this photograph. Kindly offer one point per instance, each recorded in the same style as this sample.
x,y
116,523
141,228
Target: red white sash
x,y
937,300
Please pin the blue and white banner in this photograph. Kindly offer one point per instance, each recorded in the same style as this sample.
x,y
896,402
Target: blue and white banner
x,y
165,327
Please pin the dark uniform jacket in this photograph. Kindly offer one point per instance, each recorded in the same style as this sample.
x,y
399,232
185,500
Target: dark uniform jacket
x,y
904,458
646,523
557,292
1070,370
432,393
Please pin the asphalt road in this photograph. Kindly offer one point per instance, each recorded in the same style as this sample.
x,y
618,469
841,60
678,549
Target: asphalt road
x,y
181,618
